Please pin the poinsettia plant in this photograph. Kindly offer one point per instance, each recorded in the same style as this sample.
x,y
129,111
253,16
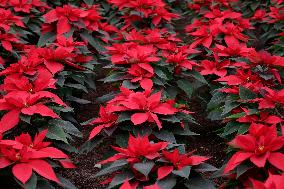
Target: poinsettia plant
x,y
154,165
26,156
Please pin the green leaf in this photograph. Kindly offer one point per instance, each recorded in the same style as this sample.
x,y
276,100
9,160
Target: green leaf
x,y
78,100
93,42
167,183
117,165
31,184
120,178
199,183
241,169
198,76
122,140
165,135
236,116
142,131
44,184
57,133
243,129
184,132
186,86
114,77
124,116
48,37
89,2
144,168
184,172
105,97
205,167
67,126
127,84
65,183
77,86
25,118
229,106
246,94
160,73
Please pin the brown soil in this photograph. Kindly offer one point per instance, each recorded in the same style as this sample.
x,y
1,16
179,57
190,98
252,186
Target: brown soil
x,y
83,177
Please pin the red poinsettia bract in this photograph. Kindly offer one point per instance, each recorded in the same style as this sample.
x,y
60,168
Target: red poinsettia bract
x,y
259,146
26,155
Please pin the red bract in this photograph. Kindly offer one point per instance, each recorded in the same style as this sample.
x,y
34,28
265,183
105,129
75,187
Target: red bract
x,y
141,55
7,40
273,182
260,145
180,61
203,36
138,148
127,185
21,5
139,73
178,161
67,43
23,102
44,80
105,120
214,67
245,78
161,14
271,98
234,48
92,18
265,58
148,106
62,15
27,156
259,15
264,117
276,14
7,19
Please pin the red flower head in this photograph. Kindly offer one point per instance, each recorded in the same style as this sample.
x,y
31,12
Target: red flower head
x,y
270,98
148,106
7,19
273,182
27,155
260,145
105,120
63,16
23,102
178,161
138,148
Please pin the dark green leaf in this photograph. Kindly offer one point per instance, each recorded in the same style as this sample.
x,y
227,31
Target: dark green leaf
x,y
144,168
66,184
246,94
165,135
78,100
167,183
67,126
124,116
57,133
199,183
48,37
186,86
117,165
89,2
32,183
184,172
241,169
93,42
120,178
205,167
